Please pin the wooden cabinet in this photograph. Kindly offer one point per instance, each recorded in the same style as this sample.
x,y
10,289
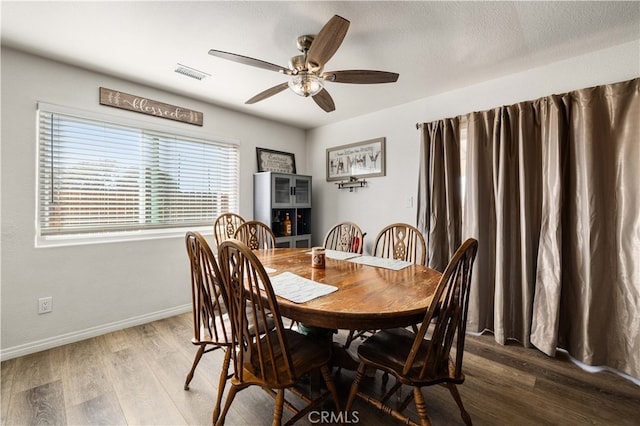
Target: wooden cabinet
x,y
276,195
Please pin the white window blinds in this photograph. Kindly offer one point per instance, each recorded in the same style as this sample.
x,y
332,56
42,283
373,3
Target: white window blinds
x,y
97,177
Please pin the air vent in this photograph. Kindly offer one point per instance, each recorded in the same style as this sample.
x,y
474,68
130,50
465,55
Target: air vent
x,y
191,72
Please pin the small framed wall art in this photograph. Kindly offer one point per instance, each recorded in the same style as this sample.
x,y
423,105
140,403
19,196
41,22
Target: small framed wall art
x,y
359,160
275,161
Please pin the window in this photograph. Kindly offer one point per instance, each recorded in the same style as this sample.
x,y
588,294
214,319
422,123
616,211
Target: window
x,y
99,178
464,130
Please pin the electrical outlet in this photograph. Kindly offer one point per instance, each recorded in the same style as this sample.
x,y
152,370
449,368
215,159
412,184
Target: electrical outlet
x,y
45,304
409,202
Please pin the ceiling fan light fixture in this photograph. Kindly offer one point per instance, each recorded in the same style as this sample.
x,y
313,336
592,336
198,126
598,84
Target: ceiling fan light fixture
x,y
305,84
305,71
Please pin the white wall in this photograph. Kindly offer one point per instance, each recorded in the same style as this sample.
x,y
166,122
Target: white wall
x,y
105,286
384,200
98,287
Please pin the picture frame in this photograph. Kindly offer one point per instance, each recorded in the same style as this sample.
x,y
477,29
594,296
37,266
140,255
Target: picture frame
x,y
358,160
275,161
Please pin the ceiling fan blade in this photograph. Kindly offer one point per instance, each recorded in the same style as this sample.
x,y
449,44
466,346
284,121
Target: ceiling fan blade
x,y
361,76
324,100
327,42
249,61
267,93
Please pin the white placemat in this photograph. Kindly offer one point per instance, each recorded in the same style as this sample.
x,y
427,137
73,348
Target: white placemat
x,y
339,255
381,262
298,289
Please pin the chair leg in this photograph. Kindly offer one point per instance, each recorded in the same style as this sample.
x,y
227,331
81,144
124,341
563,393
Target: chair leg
x,y
456,395
421,407
385,378
347,343
326,373
395,389
223,381
227,404
193,367
354,386
277,410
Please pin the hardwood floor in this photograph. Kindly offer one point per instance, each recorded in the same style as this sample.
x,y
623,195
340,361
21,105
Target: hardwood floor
x,y
136,376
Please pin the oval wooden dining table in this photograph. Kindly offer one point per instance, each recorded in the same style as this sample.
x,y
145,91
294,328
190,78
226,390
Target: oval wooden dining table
x,y
368,297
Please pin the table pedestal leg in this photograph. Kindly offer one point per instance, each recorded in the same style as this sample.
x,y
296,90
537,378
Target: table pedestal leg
x,y
341,358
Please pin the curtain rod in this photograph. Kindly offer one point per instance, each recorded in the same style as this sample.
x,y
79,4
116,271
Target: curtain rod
x,y
463,119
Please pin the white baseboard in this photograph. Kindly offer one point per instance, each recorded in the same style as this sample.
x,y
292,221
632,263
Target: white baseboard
x,y
63,339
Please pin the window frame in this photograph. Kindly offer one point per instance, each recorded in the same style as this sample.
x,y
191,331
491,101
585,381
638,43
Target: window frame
x,y
55,240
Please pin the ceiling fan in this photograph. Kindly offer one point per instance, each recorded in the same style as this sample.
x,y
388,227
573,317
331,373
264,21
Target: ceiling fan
x,y
306,70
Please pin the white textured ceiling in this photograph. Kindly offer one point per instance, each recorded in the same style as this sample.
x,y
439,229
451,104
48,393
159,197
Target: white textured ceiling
x,y
434,46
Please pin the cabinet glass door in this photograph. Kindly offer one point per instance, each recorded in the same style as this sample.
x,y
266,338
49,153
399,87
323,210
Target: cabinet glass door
x,y
302,242
303,191
281,190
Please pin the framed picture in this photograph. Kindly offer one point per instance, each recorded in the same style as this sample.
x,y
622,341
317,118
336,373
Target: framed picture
x,y
360,159
275,161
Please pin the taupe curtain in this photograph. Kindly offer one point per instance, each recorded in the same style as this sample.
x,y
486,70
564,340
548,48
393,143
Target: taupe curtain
x,y
439,182
502,211
588,272
553,197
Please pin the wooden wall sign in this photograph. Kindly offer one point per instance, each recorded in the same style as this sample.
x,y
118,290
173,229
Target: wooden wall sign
x,y
129,102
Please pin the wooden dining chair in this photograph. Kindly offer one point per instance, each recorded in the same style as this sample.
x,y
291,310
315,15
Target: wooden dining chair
x,y
279,359
396,241
212,328
225,226
401,241
422,359
256,234
345,236
211,324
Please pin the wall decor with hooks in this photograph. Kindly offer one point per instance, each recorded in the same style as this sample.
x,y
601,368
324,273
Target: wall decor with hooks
x,y
352,183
